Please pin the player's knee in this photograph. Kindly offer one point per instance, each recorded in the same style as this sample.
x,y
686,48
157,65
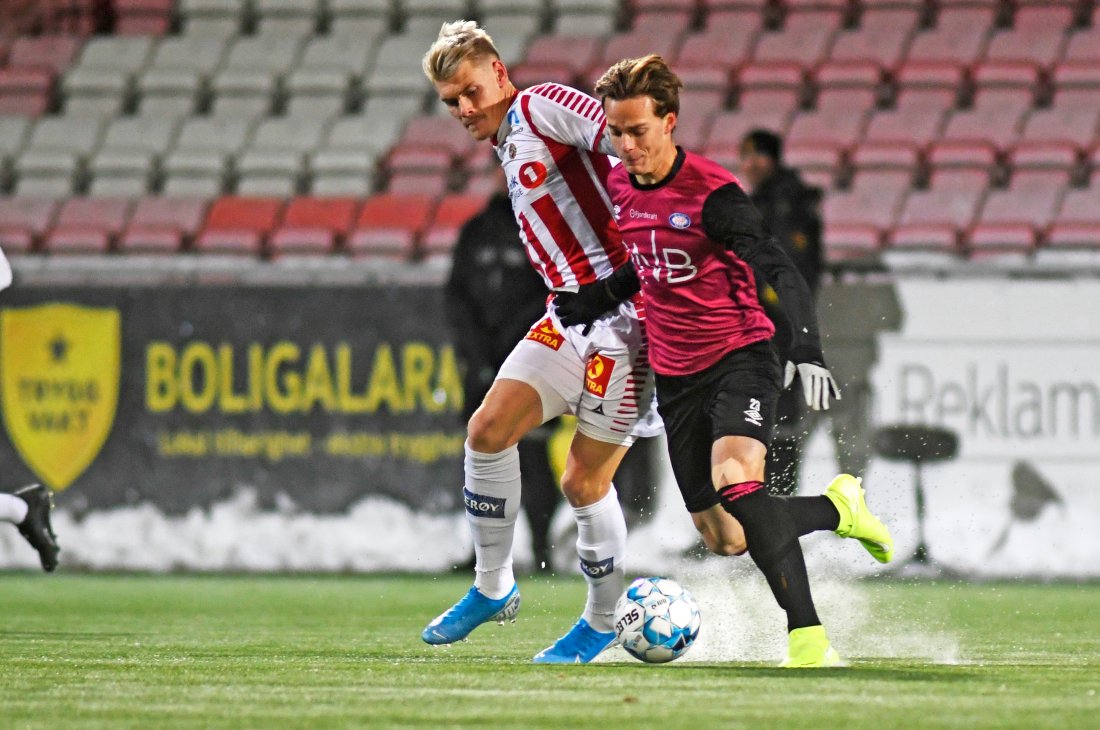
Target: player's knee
x,y
582,488
725,544
488,433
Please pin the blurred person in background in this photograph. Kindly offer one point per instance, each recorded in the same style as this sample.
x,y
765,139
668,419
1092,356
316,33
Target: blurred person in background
x,y
790,210
493,296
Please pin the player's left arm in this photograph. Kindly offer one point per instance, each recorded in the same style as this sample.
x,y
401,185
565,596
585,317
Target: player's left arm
x,y
730,218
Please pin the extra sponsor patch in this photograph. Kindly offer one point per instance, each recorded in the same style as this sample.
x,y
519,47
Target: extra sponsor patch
x,y
480,505
598,374
597,568
679,220
545,333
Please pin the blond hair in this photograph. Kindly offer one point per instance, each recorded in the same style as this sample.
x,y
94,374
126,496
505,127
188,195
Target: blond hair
x,y
457,41
646,76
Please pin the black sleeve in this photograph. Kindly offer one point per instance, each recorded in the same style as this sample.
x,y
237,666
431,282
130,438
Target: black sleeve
x,y
730,218
467,331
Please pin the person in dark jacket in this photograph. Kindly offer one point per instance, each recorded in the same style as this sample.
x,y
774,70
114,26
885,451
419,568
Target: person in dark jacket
x,y
493,297
789,208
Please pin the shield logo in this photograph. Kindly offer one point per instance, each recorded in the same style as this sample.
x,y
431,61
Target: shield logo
x,y
59,375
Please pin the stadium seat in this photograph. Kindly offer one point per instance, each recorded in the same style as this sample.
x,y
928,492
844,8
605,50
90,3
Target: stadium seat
x,y
169,92
511,33
997,116
196,52
274,161
1071,245
631,45
1081,205
1067,120
23,221
293,18
53,52
805,39
1084,46
882,37
1058,155
1019,75
838,120
313,225
963,154
123,172
851,244
873,200
1001,242
916,119
87,225
725,43
238,225
1031,198
318,91
422,157
412,183
1077,75
951,199
25,91
143,17
342,172
697,108
960,36
389,225
210,17
13,134
244,92
1038,36
575,52
454,210
162,225
923,245
898,156
525,75
396,70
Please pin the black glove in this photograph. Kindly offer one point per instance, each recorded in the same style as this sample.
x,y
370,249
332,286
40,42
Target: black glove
x,y
817,382
594,300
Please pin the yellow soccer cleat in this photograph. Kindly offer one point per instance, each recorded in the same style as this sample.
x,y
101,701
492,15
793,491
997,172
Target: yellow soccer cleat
x,y
856,520
809,648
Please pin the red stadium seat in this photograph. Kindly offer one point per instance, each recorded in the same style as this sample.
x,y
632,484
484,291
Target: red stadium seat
x,y
881,38
897,155
1074,236
1072,118
1084,46
805,39
54,52
1031,197
437,131
162,225
963,154
997,116
998,240
959,36
872,200
952,198
390,225
421,157
450,216
847,244
413,183
807,156
143,17
1081,205
917,119
1060,155
1037,36
25,91
527,74
725,43
940,238
313,225
23,221
1022,75
577,53
238,225
88,224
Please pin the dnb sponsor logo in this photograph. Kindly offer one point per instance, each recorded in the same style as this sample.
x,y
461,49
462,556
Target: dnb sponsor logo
x,y
481,505
545,333
598,568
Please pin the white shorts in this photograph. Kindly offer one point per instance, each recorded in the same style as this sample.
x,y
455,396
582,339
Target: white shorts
x,y
603,377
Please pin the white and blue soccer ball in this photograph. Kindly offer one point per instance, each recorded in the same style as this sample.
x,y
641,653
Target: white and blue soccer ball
x,y
657,620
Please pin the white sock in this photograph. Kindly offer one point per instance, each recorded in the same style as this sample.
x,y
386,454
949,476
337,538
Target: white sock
x,y
601,544
492,495
12,509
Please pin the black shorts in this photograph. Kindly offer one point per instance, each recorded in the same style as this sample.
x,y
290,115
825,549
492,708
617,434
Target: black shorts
x,y
734,397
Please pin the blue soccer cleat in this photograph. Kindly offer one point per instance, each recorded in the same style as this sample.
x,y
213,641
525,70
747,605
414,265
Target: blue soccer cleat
x,y
581,645
473,610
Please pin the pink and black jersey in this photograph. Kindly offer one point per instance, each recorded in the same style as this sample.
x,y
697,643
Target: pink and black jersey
x,y
555,155
701,299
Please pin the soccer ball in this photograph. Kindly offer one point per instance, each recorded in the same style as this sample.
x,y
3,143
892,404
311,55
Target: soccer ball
x,y
656,620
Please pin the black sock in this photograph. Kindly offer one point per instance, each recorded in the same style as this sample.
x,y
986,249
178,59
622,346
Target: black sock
x,y
772,538
811,514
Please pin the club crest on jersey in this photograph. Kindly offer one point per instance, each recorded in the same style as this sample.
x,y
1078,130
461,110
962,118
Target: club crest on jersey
x,y
617,211
532,174
598,374
545,333
679,220
511,151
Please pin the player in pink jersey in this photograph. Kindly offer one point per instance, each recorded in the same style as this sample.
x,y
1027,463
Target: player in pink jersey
x,y
697,242
586,356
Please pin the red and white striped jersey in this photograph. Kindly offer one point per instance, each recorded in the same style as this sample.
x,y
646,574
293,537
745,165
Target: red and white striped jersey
x,y
555,155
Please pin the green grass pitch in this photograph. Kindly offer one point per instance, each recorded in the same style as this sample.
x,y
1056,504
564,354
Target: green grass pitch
x,y
311,652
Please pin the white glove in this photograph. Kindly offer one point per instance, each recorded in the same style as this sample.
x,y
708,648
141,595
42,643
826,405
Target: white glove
x,y
817,383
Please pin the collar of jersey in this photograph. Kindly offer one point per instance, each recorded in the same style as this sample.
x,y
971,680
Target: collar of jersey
x,y
680,156
505,127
